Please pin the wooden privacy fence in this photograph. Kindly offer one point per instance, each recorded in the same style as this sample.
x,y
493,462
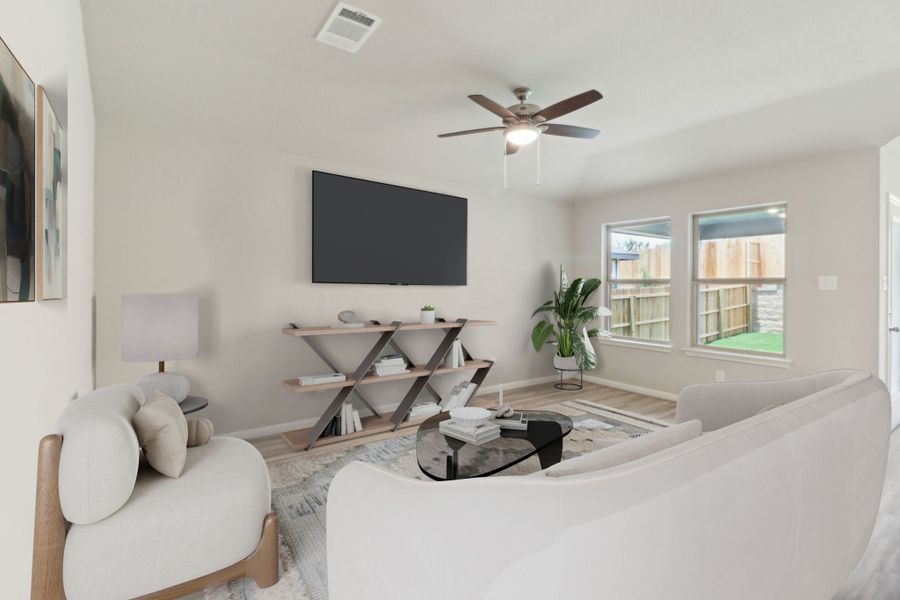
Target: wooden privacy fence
x,y
734,258
643,312
724,311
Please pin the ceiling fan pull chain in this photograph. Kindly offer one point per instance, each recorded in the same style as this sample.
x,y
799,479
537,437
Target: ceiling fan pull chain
x,y
505,158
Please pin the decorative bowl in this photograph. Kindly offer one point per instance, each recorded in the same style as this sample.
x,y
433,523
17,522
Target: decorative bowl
x,y
470,416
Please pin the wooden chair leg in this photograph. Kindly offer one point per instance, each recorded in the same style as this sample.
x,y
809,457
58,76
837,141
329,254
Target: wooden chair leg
x,y
262,565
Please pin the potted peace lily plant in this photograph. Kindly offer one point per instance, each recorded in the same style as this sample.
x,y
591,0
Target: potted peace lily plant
x,y
564,323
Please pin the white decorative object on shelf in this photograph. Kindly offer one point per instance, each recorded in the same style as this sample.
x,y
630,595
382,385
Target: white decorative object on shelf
x,y
426,315
470,416
322,378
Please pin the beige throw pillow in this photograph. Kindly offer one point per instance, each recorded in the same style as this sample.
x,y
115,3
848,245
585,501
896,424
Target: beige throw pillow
x,y
162,432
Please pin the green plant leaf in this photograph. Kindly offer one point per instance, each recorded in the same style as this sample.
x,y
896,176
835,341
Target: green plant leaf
x,y
540,334
590,286
548,305
585,355
593,332
586,314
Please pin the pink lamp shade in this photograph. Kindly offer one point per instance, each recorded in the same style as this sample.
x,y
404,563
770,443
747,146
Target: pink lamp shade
x,y
159,327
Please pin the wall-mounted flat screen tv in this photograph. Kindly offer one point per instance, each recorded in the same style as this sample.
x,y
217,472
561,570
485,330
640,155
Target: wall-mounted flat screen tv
x,y
370,232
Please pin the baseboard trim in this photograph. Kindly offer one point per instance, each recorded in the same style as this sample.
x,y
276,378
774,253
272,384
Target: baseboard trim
x,y
278,428
514,385
636,389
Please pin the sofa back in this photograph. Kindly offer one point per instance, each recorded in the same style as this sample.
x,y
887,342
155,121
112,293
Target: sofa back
x,y
98,462
780,505
720,404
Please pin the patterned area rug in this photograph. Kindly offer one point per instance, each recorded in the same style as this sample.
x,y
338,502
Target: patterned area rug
x,y
300,489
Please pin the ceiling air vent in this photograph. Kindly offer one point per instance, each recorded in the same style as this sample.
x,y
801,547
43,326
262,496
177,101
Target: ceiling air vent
x,y
348,28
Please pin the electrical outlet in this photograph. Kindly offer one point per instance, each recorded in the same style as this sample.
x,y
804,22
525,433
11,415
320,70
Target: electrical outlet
x,y
720,376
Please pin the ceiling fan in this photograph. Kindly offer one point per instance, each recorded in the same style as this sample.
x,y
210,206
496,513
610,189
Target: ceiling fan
x,y
524,122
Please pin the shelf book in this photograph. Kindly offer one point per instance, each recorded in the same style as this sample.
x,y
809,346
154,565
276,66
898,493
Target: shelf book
x,y
385,361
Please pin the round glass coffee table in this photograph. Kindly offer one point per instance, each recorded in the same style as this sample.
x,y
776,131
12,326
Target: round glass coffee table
x,y
444,458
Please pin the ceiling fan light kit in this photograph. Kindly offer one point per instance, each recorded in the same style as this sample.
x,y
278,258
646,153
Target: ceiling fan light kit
x,y
523,123
522,134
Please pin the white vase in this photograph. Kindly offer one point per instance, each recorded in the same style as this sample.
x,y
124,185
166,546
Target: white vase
x,y
565,363
426,316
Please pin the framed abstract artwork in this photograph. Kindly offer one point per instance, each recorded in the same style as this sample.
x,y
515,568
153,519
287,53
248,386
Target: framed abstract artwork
x,y
51,250
17,180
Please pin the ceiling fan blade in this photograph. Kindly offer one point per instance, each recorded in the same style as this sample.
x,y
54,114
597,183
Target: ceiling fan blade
x,y
500,111
570,131
470,131
511,148
569,105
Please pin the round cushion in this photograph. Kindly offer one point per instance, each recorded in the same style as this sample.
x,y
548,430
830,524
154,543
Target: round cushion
x,y
200,431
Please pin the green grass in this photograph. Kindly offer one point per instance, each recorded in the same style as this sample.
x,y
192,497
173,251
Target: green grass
x,y
757,342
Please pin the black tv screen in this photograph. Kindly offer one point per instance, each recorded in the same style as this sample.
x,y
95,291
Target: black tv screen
x,y
370,232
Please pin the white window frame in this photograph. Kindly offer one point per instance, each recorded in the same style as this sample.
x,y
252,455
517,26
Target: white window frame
x,y
608,281
738,355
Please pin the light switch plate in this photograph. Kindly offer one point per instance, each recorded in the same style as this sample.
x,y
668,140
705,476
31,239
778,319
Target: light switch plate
x,y
828,282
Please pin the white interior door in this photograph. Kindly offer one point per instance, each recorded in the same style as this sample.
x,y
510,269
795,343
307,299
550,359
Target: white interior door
x,y
894,306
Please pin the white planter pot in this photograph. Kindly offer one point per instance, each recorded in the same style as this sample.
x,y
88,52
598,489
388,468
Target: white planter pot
x,y
565,363
426,316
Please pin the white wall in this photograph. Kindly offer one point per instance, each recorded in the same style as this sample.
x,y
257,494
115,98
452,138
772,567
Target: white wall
x,y
46,346
832,227
232,224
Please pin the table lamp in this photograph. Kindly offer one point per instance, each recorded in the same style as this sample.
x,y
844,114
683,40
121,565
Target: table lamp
x,y
157,328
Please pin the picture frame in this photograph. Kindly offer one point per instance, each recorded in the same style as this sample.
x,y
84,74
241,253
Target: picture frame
x,y
50,250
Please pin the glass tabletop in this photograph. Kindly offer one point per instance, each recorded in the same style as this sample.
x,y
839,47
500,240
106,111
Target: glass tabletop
x,y
441,457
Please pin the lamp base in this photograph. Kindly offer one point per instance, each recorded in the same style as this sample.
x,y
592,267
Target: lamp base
x,y
174,385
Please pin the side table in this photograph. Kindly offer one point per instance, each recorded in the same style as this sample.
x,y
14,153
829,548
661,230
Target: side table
x,y
192,404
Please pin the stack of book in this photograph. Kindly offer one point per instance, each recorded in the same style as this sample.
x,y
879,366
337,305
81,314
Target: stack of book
x,y
390,364
323,378
473,435
455,358
425,409
458,396
346,421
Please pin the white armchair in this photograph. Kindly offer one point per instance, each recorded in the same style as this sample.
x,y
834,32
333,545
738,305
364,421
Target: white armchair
x,y
107,529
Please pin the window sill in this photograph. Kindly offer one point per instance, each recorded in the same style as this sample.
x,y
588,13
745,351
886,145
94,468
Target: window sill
x,y
634,344
750,359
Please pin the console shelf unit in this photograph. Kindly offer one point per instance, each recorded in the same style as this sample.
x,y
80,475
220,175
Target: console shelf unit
x,y
420,375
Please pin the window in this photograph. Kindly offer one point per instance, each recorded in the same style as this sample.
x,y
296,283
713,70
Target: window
x,y
739,280
638,279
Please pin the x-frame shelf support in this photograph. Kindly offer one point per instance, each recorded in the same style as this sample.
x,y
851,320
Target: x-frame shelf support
x,y
345,392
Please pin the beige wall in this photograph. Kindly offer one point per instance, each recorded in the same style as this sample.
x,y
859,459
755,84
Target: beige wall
x,y
832,230
45,354
232,224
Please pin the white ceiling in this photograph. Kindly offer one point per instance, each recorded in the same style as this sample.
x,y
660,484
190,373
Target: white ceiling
x,y
689,85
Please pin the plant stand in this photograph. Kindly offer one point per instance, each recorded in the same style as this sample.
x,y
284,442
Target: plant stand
x,y
568,385
420,374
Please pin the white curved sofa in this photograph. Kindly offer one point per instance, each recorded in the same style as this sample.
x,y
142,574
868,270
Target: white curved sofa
x,y
775,505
